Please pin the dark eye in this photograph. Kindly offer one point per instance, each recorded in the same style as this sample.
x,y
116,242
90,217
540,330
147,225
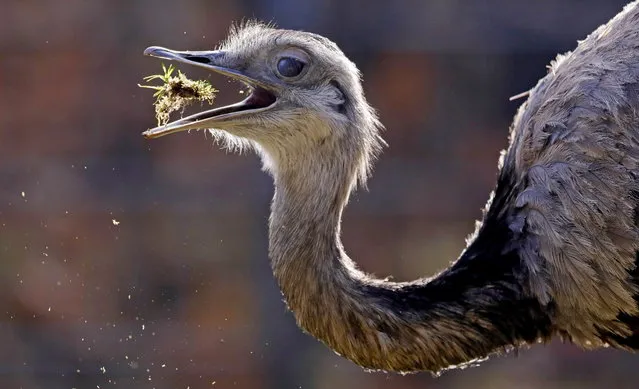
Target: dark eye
x,y
289,67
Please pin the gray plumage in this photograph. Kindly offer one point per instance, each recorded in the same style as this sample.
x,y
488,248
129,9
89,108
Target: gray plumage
x,y
556,251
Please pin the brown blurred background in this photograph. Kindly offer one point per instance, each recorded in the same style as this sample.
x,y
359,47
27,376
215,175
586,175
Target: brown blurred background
x,y
126,263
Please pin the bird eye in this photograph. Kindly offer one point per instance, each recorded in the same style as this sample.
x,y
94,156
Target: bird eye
x,y
290,67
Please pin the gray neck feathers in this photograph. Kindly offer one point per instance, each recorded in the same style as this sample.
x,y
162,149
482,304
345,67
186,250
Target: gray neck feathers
x,y
377,324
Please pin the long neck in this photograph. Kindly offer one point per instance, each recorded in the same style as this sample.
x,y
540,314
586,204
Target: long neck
x,y
466,313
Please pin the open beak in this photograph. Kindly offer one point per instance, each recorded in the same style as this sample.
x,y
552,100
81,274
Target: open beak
x,y
260,98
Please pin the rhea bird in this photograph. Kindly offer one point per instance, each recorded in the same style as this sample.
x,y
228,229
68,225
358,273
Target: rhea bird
x,y
555,254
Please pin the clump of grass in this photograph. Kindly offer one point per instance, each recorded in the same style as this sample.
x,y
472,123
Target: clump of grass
x,y
177,92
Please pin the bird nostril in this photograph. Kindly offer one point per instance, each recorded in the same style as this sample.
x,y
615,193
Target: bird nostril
x,y
199,59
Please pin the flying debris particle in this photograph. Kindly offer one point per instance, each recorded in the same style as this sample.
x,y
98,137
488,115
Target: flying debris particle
x,y
23,194
115,222
103,370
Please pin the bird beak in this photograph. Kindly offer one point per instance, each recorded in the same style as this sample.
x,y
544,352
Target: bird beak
x,y
261,97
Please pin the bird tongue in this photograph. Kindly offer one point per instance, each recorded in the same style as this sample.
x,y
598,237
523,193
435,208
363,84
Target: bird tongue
x,y
259,98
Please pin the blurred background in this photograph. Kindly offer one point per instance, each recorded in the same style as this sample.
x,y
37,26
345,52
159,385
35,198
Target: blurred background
x,y
136,264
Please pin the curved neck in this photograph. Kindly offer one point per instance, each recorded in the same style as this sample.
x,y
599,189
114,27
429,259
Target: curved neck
x,y
466,313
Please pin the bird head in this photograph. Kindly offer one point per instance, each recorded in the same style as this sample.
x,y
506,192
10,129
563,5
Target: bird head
x,y
305,99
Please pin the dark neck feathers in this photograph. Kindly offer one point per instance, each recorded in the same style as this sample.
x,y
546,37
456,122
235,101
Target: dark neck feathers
x,y
472,309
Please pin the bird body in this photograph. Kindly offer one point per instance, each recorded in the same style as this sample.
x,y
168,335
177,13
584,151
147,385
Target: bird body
x,y
555,253
574,154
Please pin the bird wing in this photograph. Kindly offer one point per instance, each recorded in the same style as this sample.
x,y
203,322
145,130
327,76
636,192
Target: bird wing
x,y
574,161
